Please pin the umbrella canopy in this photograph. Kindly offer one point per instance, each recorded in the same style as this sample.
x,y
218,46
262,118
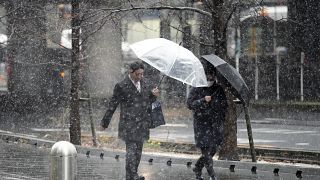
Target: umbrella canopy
x,y
230,76
172,60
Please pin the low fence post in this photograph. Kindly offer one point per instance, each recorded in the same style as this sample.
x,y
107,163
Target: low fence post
x,y
63,163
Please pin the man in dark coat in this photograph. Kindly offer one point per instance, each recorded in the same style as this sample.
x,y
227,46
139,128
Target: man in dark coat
x,y
209,106
135,97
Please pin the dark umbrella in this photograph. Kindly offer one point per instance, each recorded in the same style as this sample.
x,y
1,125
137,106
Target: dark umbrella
x,y
230,77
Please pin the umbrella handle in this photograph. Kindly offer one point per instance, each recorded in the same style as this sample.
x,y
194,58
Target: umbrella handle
x,y
160,81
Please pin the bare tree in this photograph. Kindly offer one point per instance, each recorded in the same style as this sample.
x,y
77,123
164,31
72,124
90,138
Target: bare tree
x,y
214,17
28,39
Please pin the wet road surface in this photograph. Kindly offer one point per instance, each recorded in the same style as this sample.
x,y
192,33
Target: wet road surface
x,y
25,161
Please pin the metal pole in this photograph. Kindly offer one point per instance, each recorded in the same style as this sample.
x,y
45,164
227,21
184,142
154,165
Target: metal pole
x,y
93,130
254,54
187,91
237,52
301,76
256,82
278,74
63,163
249,130
237,38
275,50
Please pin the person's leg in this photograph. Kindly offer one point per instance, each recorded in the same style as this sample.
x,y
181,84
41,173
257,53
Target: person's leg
x,y
139,146
133,157
208,153
129,159
199,166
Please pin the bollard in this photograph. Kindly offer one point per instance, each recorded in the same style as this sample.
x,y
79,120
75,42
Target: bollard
x,y
63,163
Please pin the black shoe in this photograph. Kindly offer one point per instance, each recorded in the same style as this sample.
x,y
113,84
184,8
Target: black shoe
x,y
139,178
213,177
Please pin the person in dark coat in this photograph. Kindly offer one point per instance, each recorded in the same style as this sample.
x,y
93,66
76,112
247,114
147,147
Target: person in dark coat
x,y
135,97
209,106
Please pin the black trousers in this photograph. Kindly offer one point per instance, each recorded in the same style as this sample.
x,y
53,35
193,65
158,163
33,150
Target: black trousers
x,y
205,160
133,157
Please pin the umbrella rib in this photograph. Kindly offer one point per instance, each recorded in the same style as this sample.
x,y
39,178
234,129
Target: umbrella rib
x,y
173,60
189,75
156,48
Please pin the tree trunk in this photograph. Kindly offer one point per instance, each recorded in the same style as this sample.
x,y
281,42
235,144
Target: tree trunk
x,y
228,150
229,147
206,35
164,25
75,129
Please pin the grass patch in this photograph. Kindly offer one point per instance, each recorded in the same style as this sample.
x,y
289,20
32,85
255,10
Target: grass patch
x,y
151,144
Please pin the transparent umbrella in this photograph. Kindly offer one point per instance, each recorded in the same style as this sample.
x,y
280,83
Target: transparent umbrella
x,y
172,60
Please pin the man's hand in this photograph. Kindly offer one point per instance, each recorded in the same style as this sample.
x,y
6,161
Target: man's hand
x,y
207,98
155,91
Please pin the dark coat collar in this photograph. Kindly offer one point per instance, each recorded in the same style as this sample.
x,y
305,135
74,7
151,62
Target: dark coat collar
x,y
127,81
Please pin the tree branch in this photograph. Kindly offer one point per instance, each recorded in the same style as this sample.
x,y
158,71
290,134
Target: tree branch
x,y
191,36
160,8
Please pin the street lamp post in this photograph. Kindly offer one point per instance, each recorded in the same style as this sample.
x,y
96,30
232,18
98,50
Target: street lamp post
x,y
276,54
301,76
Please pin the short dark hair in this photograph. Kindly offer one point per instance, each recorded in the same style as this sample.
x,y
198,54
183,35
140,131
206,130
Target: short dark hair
x,y
136,65
210,70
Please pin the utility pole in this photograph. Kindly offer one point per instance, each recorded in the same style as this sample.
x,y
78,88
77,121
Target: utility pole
x,y
237,39
301,76
275,52
254,54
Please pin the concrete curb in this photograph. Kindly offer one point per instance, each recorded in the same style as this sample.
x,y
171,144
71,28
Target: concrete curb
x,y
288,155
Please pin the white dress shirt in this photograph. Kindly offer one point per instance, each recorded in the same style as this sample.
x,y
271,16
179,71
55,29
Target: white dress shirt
x,y
136,84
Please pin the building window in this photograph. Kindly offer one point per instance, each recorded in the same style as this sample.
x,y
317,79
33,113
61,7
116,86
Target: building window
x,y
64,11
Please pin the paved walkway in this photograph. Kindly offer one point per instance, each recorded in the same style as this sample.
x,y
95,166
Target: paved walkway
x,y
22,161
19,159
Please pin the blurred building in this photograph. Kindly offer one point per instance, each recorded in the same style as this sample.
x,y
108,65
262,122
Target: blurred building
x,y
39,51
36,60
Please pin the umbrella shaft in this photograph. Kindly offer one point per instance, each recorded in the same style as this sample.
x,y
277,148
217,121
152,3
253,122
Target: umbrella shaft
x,y
160,81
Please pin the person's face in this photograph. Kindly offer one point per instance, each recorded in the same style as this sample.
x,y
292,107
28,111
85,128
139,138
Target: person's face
x,y
210,77
137,75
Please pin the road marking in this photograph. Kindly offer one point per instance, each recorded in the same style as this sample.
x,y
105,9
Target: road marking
x,y
243,141
302,144
174,125
279,131
259,145
50,130
15,176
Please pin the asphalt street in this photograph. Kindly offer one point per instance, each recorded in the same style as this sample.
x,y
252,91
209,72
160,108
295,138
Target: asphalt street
x,y
267,132
268,135
295,137
280,136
